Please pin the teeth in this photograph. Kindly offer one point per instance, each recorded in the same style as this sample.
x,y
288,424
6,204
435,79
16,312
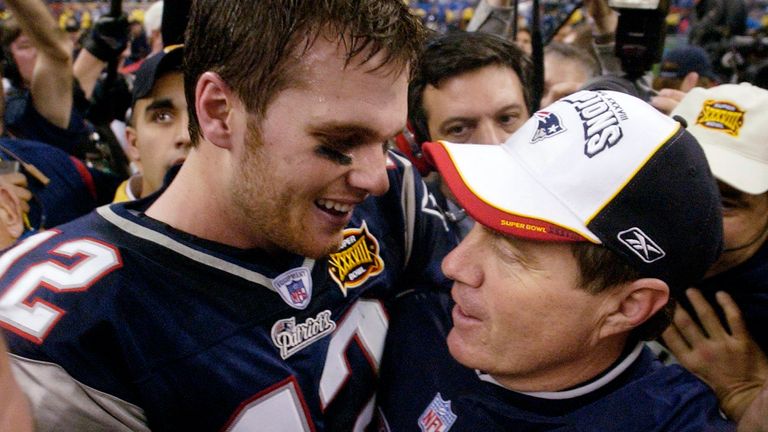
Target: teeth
x,y
332,205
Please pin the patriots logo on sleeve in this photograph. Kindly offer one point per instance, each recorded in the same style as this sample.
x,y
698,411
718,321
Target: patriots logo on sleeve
x,y
549,126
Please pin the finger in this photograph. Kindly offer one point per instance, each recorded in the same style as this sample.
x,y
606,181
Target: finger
x,y
663,104
22,193
15,178
709,320
732,314
689,82
675,341
688,329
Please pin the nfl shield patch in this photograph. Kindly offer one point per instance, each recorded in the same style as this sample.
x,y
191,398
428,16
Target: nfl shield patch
x,y
295,287
549,126
438,416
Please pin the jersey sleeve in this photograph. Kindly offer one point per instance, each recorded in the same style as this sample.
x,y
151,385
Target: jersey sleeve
x,y
428,237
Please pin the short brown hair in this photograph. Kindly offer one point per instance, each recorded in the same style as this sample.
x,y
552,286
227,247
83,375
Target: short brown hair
x,y
601,269
254,45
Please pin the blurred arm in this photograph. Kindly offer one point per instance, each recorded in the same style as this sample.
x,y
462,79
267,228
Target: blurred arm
x,y
51,83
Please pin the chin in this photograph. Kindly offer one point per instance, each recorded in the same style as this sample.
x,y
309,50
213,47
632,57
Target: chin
x,y
461,351
322,247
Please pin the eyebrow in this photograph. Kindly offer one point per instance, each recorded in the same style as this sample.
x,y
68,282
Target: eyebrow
x,y
347,135
164,103
500,110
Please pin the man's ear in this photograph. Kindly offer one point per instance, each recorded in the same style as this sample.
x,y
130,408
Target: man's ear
x,y
213,102
633,304
10,212
131,150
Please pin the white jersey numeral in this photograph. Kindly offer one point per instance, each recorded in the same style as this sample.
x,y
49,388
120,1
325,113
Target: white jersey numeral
x,y
367,323
34,318
281,407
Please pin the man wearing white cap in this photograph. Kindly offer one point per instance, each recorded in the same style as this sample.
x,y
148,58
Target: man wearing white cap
x,y
571,265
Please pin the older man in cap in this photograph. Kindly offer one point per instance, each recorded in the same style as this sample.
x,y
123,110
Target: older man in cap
x,y
583,237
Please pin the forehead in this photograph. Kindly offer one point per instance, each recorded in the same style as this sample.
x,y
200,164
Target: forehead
x,y
330,89
562,69
169,86
484,89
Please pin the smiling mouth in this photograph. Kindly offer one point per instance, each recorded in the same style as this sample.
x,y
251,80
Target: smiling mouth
x,y
334,207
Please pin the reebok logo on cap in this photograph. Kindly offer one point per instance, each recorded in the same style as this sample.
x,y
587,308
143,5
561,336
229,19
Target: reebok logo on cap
x,y
642,245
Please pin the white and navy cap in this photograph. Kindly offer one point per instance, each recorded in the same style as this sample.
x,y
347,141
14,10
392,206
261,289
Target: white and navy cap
x,y
730,122
602,167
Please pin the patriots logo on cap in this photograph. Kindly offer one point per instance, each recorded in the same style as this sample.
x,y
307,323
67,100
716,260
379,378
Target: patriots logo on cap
x,y
549,126
642,245
438,417
295,287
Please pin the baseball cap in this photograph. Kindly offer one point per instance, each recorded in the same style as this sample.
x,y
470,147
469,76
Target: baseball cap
x,y
154,67
730,122
679,62
597,166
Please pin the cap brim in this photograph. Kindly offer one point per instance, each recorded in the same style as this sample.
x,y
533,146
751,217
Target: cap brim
x,y
496,190
743,173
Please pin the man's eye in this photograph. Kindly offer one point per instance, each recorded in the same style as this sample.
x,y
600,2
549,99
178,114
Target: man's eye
x,y
508,119
162,117
456,130
334,155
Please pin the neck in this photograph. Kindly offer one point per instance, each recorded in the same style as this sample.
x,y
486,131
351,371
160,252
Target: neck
x,y
197,202
568,374
606,377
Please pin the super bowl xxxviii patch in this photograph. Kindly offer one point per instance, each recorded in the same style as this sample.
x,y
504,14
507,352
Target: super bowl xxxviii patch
x,y
357,260
291,338
722,116
295,287
438,417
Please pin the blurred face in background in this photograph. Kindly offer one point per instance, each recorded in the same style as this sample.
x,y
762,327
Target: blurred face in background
x,y
25,55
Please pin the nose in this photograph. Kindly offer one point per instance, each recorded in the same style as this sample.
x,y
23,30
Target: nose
x,y
182,133
489,133
460,264
369,170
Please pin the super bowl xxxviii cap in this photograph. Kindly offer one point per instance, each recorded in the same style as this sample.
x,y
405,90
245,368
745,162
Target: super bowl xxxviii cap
x,y
154,67
597,166
730,121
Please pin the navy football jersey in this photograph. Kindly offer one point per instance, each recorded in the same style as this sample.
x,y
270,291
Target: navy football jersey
x,y
119,322
424,389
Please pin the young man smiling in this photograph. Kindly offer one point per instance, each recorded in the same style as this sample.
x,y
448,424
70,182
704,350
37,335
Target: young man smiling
x,y
215,305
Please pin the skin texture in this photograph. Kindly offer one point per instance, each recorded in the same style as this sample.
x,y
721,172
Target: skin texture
x,y
562,77
728,360
522,316
483,106
43,54
14,408
242,184
159,135
745,227
10,213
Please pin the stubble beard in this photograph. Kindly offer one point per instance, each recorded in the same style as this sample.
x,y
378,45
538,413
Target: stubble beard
x,y
269,207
